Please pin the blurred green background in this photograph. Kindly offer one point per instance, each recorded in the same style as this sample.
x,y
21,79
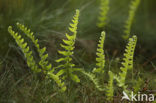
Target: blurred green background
x,y
49,20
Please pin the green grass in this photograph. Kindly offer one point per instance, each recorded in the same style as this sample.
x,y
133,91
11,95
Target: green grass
x,y
20,85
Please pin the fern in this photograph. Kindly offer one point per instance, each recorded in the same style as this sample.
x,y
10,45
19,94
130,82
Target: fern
x,y
67,69
68,46
133,7
109,88
57,80
127,62
93,78
137,85
104,8
100,60
100,63
25,49
30,59
43,62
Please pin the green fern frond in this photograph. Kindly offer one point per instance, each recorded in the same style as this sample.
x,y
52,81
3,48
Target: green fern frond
x,y
57,80
30,59
137,85
127,62
109,88
100,60
42,51
93,78
104,8
25,49
133,8
68,47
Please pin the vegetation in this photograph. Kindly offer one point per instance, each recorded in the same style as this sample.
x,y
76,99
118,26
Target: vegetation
x,y
62,64
133,7
67,67
69,47
104,8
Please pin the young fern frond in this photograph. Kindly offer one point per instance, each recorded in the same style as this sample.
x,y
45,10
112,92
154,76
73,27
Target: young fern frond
x,y
109,88
57,80
100,63
30,59
94,79
25,49
127,62
133,8
42,51
68,46
104,8
100,60
137,85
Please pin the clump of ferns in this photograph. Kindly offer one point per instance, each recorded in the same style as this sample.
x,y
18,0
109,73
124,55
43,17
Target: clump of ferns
x,y
127,65
43,65
132,10
66,69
